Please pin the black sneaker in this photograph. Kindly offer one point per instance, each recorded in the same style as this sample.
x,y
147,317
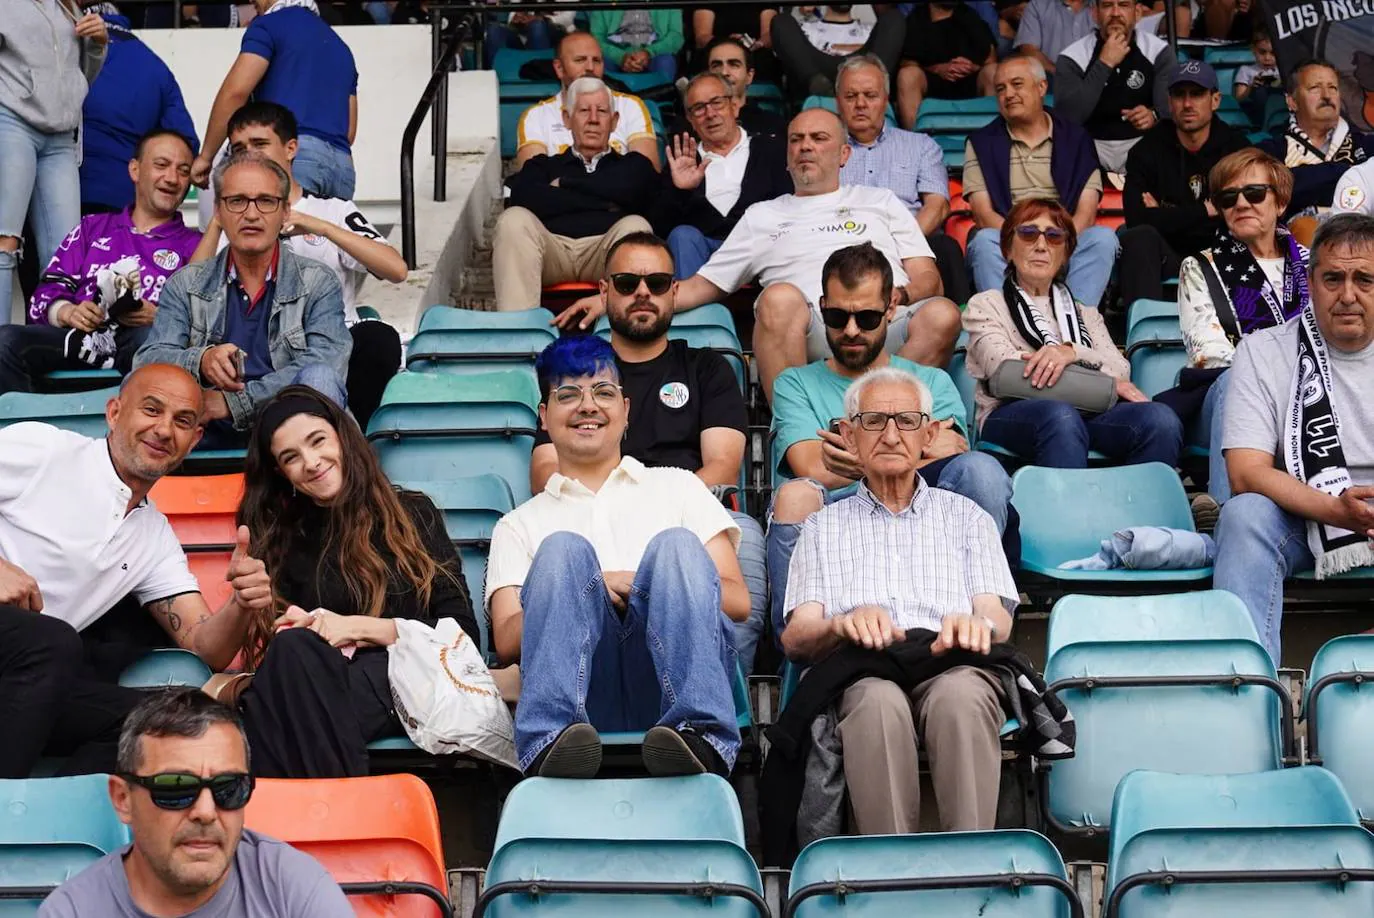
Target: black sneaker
x,y
576,753
670,753
1206,511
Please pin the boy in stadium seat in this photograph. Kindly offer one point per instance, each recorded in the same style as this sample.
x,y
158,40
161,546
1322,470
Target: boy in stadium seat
x,y
616,589
95,303
255,318
180,786
81,550
335,233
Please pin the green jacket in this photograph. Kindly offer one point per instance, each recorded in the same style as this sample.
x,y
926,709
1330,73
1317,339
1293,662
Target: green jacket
x,y
667,23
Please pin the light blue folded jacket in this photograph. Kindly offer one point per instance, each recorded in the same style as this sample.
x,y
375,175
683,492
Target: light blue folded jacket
x,y
1149,548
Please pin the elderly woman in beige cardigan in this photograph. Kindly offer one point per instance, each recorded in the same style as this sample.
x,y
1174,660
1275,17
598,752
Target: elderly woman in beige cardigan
x,y
1035,318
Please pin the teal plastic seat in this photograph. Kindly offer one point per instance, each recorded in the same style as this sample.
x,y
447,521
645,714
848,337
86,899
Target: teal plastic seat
x,y
626,741
1154,346
79,412
1150,688
564,846
958,371
508,61
1273,844
1067,513
166,667
709,338
451,317
710,315
1139,311
878,876
828,103
468,341
1235,54
1339,709
80,380
51,830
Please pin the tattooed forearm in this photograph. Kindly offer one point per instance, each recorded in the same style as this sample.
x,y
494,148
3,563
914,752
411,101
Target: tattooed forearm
x,y
162,608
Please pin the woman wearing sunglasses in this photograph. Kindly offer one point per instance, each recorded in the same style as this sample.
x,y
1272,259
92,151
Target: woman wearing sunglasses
x,y
1035,318
348,553
1254,277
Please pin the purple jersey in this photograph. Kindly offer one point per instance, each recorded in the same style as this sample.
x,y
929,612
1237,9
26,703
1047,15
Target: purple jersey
x,y
98,242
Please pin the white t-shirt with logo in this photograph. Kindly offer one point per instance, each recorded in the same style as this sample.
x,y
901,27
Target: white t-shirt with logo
x,y
828,36
788,239
1353,191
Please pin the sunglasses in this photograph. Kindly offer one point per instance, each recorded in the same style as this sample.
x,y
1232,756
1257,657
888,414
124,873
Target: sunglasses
x,y
179,791
866,319
877,420
1053,234
626,283
1229,197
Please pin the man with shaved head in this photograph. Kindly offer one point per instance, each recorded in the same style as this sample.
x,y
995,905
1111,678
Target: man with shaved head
x,y
81,547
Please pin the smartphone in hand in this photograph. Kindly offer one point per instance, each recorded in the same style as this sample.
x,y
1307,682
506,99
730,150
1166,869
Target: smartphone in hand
x,y
239,364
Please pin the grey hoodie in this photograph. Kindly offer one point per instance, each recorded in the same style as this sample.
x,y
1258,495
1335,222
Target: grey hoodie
x,y
45,69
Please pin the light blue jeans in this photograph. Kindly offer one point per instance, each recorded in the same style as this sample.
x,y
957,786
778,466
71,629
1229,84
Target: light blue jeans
x,y
1211,423
669,660
1259,545
691,249
40,181
323,169
753,563
1090,268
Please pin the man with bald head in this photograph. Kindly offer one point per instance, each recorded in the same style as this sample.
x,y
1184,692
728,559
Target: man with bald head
x,y
81,547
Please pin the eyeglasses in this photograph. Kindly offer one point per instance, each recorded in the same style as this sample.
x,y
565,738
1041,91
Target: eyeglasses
x,y
604,394
626,283
877,420
1028,233
715,104
238,203
866,319
1227,198
179,791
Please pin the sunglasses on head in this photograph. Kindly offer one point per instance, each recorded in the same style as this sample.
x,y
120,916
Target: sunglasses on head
x,y
626,283
179,791
866,319
1227,198
1028,233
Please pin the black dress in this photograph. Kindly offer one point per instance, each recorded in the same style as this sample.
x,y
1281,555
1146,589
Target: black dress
x,y
310,711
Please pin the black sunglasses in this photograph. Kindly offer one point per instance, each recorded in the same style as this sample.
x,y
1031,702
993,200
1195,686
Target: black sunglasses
x,y
866,319
1027,232
1227,197
179,791
626,283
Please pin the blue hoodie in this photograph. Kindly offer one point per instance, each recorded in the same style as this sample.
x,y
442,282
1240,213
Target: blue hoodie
x,y
134,93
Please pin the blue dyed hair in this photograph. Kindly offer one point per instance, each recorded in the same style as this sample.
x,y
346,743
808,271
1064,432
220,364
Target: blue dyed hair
x,y
571,358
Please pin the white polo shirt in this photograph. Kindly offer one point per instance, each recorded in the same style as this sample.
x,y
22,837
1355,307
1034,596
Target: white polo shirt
x,y
725,173
788,239
634,505
542,123
63,521
1355,190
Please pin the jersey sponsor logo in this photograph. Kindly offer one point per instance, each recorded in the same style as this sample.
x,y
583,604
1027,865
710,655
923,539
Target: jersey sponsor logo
x,y
312,239
1135,80
848,227
1352,198
102,244
166,259
674,394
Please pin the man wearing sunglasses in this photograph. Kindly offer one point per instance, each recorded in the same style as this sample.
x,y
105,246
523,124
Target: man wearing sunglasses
x,y
181,786
255,318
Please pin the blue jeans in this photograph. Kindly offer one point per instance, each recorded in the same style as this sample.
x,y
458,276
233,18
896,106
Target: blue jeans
x,y
665,65
1090,268
753,562
669,660
977,476
537,34
691,249
1211,424
1259,545
40,181
1057,435
323,169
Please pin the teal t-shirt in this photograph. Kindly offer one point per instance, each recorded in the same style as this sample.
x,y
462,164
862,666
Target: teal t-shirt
x,y
806,399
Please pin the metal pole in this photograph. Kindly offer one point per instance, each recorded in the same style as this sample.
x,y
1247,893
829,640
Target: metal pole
x,y
176,14
1172,27
436,50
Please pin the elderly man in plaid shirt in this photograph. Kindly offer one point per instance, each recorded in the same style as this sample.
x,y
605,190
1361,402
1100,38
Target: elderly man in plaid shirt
x,y
898,555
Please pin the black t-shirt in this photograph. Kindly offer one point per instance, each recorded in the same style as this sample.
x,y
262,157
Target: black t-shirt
x,y
962,34
673,398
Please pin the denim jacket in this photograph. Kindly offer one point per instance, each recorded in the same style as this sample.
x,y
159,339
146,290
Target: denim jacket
x,y
305,328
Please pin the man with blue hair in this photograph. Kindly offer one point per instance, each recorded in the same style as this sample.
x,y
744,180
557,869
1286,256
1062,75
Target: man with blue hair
x,y
615,588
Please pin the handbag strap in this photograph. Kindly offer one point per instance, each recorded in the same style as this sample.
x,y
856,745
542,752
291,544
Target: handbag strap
x,y
1221,300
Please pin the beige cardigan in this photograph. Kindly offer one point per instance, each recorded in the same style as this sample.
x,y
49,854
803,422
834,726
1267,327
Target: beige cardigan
x,y
993,338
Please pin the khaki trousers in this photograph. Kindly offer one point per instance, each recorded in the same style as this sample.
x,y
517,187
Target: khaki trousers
x,y
957,717
526,257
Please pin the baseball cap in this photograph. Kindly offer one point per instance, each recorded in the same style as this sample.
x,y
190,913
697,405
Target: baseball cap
x,y
1199,73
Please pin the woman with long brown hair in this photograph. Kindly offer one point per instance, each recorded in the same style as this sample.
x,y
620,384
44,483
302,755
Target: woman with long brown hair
x,y
347,553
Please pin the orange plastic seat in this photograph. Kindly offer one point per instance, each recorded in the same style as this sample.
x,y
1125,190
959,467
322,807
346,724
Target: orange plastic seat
x,y
959,224
208,567
200,508
381,829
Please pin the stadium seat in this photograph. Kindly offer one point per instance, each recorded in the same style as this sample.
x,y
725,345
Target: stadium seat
x,y
1231,54
558,297
1175,682
709,338
80,412
828,103
1162,314
1067,513
627,742
369,833
79,380
434,427
468,341
456,318
711,315
958,371
1265,845
564,846
168,666
201,510
51,830
1340,715
1000,874
1154,345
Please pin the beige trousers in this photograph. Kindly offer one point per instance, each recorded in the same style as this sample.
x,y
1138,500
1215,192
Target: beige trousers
x,y
957,717
526,257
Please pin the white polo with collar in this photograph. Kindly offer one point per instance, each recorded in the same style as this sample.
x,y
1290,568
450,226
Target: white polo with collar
x,y
63,520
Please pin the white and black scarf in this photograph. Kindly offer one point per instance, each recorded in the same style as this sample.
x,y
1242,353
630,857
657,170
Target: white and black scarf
x,y
1313,454
287,4
1301,150
1064,325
